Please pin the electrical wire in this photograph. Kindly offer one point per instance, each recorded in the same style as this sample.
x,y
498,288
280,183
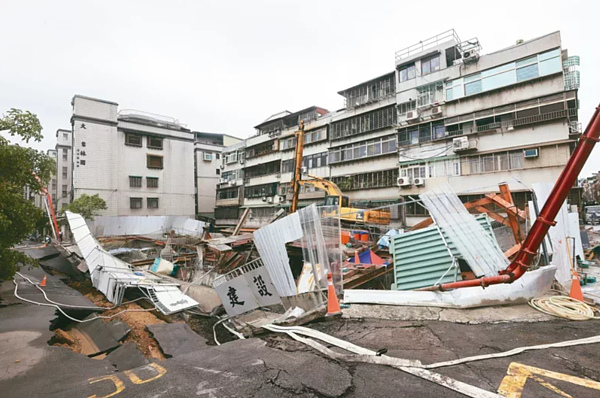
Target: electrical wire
x,y
68,316
564,307
73,306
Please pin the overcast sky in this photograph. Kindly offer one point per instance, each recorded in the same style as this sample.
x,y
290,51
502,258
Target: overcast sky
x,y
225,66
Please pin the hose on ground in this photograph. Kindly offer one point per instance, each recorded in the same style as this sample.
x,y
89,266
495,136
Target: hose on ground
x,y
564,307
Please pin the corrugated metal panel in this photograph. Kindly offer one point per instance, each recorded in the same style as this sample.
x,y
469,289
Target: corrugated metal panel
x,y
481,253
421,258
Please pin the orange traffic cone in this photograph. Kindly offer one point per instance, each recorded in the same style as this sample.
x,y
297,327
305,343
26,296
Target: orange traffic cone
x,y
333,306
356,257
575,292
43,282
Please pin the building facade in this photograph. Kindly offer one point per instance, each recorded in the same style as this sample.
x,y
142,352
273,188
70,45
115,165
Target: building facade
x,y
139,163
208,167
446,114
62,195
474,120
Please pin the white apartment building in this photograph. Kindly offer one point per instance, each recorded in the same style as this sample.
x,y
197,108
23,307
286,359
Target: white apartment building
x,y
208,148
139,163
447,114
64,169
52,187
475,120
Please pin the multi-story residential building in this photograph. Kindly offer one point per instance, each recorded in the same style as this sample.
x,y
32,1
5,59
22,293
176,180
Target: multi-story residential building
x,y
447,114
208,148
139,163
64,169
474,120
52,186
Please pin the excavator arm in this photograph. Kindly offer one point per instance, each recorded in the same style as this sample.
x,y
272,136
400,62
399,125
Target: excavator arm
x,y
320,183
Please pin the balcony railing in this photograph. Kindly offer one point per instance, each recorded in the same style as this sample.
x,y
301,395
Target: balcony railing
x,y
427,44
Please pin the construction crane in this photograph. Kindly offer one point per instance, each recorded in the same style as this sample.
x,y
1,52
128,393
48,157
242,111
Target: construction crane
x,y
545,220
49,207
334,196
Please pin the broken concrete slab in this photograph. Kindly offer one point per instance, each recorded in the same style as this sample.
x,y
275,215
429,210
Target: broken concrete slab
x,y
103,335
126,357
40,252
176,338
62,265
58,292
499,314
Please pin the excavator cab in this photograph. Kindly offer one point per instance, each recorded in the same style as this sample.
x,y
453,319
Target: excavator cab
x,y
334,200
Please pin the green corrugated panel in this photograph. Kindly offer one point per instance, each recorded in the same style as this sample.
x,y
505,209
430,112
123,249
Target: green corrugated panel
x,y
421,258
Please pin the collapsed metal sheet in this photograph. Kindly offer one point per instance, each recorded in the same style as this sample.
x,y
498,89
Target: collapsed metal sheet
x,y
532,284
480,250
145,225
112,276
270,242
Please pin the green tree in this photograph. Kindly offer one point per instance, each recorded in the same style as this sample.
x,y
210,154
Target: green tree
x,y
87,206
18,216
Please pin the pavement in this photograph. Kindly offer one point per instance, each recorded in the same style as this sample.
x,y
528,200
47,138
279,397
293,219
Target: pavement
x,y
277,366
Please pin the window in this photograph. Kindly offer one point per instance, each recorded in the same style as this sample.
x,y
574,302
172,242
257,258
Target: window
x,y
258,191
230,193
231,157
430,65
218,156
82,162
377,179
155,143
406,107
65,136
364,149
414,171
493,162
53,184
408,72
154,162
64,173
263,169
135,203
135,182
152,203
381,118
152,182
133,140
218,171
64,191
288,143
504,75
230,175
65,153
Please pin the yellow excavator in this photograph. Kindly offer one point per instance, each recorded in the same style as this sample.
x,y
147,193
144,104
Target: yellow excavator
x,y
334,196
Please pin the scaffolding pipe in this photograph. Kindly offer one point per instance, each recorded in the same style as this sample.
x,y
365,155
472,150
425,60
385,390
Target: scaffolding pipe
x,y
545,220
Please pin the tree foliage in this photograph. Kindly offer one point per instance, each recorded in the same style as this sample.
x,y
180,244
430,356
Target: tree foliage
x,y
18,216
87,206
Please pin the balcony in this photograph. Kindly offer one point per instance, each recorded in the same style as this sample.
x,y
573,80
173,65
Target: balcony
x,y
229,202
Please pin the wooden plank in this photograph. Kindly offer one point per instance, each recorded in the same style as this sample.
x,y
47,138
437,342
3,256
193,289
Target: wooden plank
x,y
512,216
241,222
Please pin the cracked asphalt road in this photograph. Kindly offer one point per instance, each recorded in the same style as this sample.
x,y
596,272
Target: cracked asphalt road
x,y
276,366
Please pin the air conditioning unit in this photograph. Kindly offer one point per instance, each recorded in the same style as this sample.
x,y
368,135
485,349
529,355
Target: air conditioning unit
x,y
222,166
412,116
419,182
510,127
281,199
232,183
436,111
241,161
277,175
460,144
470,56
222,181
264,198
304,170
404,182
531,153
270,199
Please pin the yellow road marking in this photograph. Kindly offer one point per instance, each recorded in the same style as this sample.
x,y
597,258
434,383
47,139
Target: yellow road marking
x,y
136,380
118,385
513,383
